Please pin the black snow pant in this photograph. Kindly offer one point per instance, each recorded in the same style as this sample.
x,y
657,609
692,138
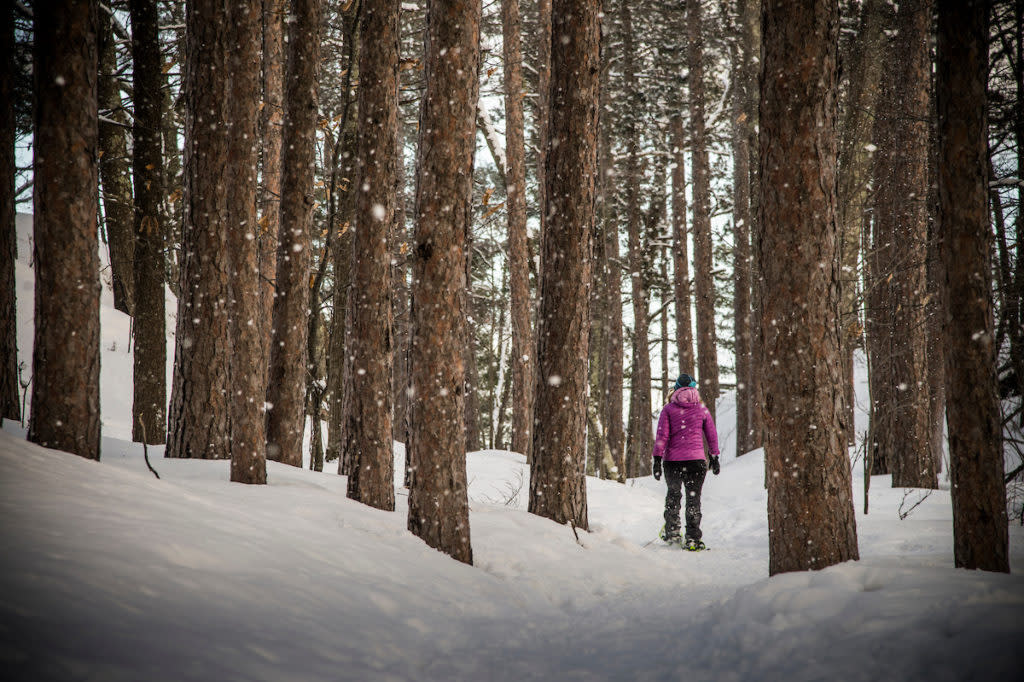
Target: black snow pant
x,y
688,473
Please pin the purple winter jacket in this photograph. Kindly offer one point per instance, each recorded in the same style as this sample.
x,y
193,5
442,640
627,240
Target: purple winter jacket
x,y
682,427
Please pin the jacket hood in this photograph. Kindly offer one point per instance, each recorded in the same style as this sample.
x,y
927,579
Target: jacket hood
x,y
686,396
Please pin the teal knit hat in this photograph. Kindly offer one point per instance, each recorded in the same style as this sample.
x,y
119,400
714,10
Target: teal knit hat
x,y
685,380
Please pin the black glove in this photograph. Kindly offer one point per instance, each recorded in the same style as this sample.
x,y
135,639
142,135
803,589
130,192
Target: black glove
x,y
716,468
657,468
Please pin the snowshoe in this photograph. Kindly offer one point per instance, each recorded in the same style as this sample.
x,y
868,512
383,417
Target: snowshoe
x,y
692,545
671,540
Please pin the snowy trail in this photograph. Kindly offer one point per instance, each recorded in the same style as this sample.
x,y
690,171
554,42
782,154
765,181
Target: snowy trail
x,y
110,571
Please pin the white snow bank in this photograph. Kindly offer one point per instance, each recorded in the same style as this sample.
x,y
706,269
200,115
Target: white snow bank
x,y
112,574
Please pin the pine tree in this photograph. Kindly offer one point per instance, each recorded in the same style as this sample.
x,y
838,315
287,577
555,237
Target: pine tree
x,y
980,535
557,480
9,405
911,456
638,437
115,168
707,354
287,374
518,246
741,227
811,521
864,57
368,428
680,258
198,419
340,210
246,380
149,408
438,496
612,270
66,354
271,129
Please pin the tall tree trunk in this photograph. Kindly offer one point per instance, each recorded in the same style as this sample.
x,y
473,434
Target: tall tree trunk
x,y
980,535
543,123
438,496
752,26
198,420
680,257
557,481
9,404
863,64
518,245
934,309
901,225
638,435
173,112
368,429
246,378
811,521
612,413
341,207
596,364
149,408
741,233
881,262
912,462
707,354
66,354
115,170
286,384
271,127
400,290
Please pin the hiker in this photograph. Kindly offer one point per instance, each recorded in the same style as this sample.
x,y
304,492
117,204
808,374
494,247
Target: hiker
x,y
685,423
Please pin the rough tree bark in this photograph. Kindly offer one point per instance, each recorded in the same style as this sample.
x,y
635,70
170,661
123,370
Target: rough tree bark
x,y
901,231
615,435
707,354
638,435
438,501
368,429
863,66
741,231
149,408
680,249
543,122
115,169
10,407
247,381
172,114
400,290
880,260
811,521
980,535
934,310
912,464
557,481
518,246
66,355
340,209
752,33
198,419
286,377
271,128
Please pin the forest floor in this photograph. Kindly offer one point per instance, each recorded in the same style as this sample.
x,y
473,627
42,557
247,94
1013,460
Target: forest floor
x,y
107,573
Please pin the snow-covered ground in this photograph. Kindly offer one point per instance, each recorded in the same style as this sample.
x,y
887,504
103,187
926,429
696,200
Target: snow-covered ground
x,y
110,574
